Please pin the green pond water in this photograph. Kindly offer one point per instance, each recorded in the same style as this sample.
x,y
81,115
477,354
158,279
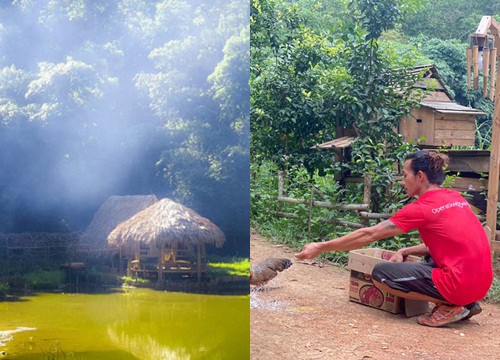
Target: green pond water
x,y
137,324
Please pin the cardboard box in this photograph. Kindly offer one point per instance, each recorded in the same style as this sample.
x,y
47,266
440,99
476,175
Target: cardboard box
x,y
362,290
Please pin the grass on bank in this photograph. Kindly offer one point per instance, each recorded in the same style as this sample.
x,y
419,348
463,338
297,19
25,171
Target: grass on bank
x,y
221,266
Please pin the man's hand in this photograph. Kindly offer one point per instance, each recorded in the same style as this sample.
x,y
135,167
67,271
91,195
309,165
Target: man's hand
x,y
397,257
309,251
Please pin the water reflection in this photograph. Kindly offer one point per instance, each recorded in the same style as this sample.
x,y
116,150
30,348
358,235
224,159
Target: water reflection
x,y
143,323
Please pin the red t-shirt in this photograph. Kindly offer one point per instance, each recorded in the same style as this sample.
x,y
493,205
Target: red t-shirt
x,y
457,243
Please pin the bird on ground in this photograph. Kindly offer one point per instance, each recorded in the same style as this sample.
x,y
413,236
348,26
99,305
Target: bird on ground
x,y
267,269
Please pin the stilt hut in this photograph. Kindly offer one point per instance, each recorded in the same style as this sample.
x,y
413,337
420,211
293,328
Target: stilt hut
x,y
111,213
164,239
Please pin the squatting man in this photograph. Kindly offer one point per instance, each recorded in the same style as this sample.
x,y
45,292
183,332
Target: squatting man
x,y
458,269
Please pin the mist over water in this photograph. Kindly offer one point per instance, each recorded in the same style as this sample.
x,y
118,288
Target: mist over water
x,y
122,98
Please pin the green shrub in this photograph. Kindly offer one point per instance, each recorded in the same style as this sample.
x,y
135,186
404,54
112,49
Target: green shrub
x,y
44,280
4,287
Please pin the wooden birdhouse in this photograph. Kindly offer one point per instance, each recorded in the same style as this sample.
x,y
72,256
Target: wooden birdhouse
x,y
438,119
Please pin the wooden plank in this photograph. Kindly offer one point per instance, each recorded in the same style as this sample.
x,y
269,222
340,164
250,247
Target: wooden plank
x,y
484,25
493,69
475,61
405,127
464,184
491,210
486,70
451,136
469,65
458,124
469,164
425,128
456,117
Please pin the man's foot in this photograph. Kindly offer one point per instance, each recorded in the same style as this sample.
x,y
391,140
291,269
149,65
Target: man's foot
x,y
443,314
474,309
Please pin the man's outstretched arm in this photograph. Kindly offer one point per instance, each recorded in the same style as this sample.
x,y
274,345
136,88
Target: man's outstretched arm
x,y
354,240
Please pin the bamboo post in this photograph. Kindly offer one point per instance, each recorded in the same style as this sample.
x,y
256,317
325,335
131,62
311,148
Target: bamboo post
x,y
311,202
486,66
493,68
160,263
469,65
475,60
280,189
120,261
203,258
367,195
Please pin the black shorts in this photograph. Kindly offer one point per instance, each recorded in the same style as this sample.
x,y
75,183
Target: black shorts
x,y
407,277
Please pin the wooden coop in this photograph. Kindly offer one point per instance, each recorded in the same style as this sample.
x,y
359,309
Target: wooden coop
x,y
438,119
165,240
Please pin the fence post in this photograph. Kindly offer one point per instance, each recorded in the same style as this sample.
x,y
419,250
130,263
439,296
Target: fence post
x,y
367,195
311,201
280,189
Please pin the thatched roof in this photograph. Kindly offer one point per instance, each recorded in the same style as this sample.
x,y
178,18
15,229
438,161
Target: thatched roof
x,y
112,212
169,222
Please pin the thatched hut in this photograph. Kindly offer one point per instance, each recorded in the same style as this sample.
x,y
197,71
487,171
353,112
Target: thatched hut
x,y
111,213
166,237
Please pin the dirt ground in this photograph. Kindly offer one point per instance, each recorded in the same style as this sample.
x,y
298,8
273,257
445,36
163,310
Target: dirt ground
x,y
304,313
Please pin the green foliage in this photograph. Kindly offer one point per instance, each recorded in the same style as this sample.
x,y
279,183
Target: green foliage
x,y
4,288
294,75
378,160
306,83
449,19
123,97
44,280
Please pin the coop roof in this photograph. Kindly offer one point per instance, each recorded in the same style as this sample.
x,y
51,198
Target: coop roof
x,y
111,213
451,108
166,221
430,80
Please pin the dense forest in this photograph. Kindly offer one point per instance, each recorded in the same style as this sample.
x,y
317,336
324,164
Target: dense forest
x,y
316,65
101,98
